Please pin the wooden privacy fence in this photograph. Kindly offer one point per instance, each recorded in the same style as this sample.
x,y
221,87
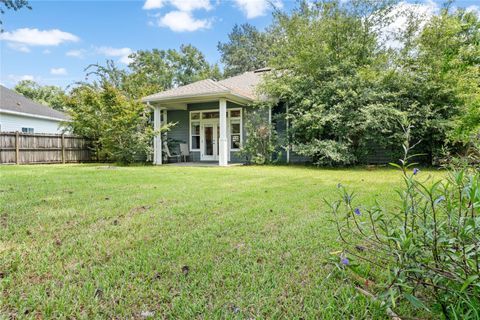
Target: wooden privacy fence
x,y
23,148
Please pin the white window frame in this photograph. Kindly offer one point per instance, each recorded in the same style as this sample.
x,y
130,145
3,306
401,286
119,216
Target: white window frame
x,y
201,121
190,123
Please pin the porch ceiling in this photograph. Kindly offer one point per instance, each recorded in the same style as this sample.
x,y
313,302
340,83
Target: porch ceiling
x,y
180,103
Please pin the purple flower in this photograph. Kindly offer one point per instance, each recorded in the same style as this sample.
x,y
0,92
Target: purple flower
x,y
344,260
442,198
415,171
357,211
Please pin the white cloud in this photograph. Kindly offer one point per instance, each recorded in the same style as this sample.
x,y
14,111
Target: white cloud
x,y
24,38
180,21
153,4
182,5
190,5
121,53
256,8
400,15
78,53
58,71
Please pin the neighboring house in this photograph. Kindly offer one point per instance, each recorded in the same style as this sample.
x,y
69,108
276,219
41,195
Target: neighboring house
x,y
18,113
210,116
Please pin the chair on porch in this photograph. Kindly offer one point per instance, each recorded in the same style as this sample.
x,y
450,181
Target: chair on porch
x,y
184,152
170,155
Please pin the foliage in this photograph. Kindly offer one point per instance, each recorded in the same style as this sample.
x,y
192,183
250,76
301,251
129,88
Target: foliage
x,y
261,141
439,80
118,125
347,88
247,49
329,71
428,245
159,70
49,95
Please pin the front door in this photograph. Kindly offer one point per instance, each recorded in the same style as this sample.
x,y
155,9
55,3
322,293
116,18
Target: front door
x,y
209,142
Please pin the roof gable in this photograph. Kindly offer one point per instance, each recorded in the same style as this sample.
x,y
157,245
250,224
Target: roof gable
x,y
243,85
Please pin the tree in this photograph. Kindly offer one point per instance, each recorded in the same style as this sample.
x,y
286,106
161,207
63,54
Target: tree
x,y
52,96
158,70
189,65
247,49
347,90
438,81
118,125
329,68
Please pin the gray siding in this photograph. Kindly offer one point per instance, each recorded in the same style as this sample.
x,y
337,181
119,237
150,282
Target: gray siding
x,y
180,130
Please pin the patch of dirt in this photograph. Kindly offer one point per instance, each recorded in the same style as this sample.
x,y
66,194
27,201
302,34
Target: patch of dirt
x,y
140,209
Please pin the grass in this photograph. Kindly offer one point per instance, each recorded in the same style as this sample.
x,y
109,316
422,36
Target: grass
x,y
82,241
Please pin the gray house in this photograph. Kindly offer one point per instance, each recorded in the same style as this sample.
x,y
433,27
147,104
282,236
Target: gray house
x,y
18,113
210,116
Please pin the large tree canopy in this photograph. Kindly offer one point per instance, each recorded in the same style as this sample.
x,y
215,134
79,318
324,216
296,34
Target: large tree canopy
x,y
348,91
247,49
157,70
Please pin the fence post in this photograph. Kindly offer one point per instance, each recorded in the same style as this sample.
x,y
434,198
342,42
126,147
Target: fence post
x,y
17,147
63,148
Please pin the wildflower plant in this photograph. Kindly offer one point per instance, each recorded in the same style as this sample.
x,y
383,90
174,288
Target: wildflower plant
x,y
426,250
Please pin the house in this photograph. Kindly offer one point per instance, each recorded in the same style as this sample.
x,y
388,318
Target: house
x,y
209,116
18,113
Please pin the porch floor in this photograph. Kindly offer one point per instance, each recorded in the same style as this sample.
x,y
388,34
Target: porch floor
x,y
200,164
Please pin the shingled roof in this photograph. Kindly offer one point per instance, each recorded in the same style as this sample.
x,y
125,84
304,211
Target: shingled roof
x,y
243,86
14,102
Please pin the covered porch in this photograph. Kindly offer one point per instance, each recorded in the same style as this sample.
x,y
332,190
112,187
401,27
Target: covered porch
x,y
211,132
208,117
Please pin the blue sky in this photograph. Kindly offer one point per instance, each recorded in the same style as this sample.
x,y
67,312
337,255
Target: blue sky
x,y
56,40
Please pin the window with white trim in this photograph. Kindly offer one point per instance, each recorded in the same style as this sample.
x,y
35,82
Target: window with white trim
x,y
235,129
195,131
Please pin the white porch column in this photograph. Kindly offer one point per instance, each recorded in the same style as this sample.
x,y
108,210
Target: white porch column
x,y
288,137
223,143
157,140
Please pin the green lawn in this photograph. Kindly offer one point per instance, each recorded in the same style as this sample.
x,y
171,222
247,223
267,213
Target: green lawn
x,y
82,241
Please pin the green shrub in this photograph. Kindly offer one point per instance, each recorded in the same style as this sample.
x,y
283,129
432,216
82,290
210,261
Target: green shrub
x,y
261,141
426,249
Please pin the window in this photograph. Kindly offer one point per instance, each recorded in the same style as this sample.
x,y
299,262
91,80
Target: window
x,y
195,115
210,115
195,130
27,130
235,135
235,113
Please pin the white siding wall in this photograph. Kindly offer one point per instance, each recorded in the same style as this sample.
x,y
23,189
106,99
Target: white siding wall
x,y
11,123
